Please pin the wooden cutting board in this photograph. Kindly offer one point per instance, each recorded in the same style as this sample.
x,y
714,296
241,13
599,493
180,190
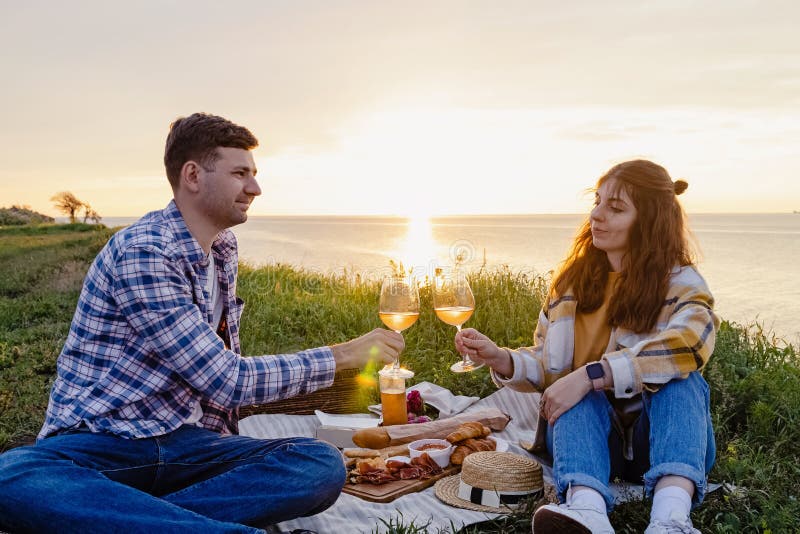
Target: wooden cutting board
x,y
392,490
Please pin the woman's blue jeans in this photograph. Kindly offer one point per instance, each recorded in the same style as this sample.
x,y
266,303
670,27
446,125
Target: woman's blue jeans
x,y
673,436
190,480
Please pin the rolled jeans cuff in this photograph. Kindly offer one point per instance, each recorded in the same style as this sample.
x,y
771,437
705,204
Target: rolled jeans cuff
x,y
679,469
563,482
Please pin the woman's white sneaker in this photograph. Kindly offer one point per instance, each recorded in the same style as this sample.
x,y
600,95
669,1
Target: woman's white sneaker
x,y
677,524
570,519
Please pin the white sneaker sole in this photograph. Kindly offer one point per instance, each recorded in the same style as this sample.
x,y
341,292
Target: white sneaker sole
x,y
546,521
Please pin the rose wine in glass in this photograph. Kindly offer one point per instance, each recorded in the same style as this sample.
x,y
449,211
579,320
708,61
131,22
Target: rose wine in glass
x,y
399,308
454,303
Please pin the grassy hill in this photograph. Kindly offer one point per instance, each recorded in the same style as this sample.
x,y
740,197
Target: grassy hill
x,y
754,379
16,215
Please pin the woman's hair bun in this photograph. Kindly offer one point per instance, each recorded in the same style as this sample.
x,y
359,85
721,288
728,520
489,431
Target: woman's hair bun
x,y
680,186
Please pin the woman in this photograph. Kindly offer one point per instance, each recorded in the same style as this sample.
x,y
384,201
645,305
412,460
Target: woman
x,y
623,334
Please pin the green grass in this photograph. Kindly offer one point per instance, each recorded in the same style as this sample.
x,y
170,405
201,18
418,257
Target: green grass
x,y
754,378
288,309
41,271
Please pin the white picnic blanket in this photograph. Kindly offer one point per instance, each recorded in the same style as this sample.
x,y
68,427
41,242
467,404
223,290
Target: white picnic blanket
x,y
351,514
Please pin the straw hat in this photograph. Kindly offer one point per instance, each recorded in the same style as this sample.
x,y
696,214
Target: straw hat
x,y
492,481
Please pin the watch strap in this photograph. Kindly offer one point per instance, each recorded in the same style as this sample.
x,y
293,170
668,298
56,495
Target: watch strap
x,y
596,375
598,384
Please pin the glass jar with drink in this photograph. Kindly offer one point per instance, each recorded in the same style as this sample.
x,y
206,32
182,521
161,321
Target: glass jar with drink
x,y
393,396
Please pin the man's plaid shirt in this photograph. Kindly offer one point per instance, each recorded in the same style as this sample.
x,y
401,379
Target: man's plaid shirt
x,y
141,352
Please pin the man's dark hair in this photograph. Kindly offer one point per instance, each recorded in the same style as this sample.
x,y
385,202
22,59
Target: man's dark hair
x,y
196,138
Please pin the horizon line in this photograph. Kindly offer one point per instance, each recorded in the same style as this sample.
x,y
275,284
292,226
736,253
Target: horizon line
x,y
458,215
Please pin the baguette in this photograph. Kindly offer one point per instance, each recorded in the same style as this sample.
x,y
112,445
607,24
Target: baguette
x,y
360,453
395,450
372,438
381,437
388,452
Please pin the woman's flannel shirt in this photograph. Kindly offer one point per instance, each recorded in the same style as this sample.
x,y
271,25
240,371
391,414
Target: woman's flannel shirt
x,y
681,342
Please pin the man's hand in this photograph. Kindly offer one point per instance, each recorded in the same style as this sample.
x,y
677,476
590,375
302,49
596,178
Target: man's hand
x,y
481,349
380,344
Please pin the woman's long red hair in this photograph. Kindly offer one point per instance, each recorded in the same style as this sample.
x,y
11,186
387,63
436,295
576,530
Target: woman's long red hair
x,y
659,241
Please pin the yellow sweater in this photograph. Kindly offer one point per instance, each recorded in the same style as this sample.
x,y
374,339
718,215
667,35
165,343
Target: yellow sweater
x,y
592,330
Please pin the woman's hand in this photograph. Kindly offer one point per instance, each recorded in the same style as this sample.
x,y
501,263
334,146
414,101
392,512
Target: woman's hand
x,y
481,349
563,394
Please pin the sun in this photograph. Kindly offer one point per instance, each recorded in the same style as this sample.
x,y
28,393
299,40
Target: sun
x,y
417,249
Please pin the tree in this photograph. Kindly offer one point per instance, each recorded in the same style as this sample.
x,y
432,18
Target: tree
x,y
89,213
68,204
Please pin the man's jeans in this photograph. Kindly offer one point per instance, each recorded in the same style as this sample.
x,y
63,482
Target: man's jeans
x,y
191,480
673,436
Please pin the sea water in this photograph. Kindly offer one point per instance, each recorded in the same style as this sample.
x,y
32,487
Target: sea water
x,y
750,261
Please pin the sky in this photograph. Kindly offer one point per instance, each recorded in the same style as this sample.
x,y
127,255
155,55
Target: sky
x,y
405,108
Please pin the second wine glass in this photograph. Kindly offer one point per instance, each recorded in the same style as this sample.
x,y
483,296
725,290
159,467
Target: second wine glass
x,y
454,303
399,308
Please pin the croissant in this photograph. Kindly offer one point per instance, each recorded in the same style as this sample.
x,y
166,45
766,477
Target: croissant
x,y
483,444
472,429
470,445
458,455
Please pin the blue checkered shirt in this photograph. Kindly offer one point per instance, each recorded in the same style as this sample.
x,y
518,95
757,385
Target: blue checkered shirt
x,y
141,352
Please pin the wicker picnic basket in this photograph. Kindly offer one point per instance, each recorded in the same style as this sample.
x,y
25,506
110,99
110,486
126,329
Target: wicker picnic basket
x,y
342,397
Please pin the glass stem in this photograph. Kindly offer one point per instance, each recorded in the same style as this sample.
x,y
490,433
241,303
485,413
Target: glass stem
x,y
396,362
464,356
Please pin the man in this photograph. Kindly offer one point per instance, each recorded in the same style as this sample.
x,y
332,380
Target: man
x,y
140,431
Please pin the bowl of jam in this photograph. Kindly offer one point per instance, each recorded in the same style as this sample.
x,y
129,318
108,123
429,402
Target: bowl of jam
x,y
438,449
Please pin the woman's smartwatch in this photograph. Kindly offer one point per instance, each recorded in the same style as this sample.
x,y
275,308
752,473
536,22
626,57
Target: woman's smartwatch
x,y
596,375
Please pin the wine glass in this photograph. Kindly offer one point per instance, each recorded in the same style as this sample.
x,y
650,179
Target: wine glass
x,y
399,309
454,303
